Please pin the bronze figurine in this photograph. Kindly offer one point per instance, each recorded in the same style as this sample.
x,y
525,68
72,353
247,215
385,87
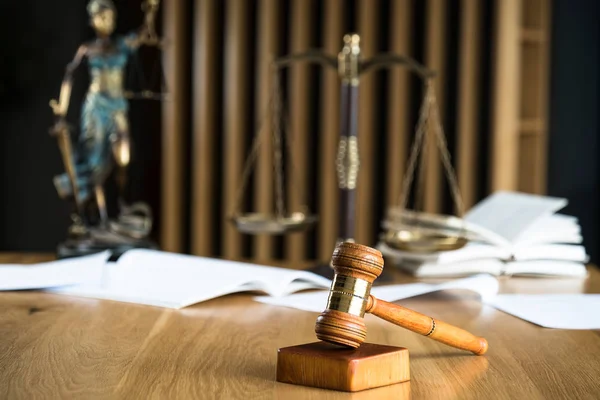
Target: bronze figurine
x,y
103,146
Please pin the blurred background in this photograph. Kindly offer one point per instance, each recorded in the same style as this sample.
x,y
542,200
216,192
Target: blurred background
x,y
517,85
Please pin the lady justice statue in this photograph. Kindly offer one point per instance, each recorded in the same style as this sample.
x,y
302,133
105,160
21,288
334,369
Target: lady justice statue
x,y
103,147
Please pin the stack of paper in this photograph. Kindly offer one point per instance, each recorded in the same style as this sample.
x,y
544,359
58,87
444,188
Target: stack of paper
x,y
514,234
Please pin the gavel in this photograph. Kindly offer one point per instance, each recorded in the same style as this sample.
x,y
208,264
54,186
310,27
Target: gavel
x,y
356,267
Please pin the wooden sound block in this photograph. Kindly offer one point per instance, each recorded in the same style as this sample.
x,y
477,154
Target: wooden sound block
x,y
328,366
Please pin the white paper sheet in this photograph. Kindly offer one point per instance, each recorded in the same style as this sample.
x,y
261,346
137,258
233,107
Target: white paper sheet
x,y
485,286
65,272
560,311
174,280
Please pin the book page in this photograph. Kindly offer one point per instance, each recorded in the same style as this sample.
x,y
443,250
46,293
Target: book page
x,y
556,228
174,280
459,269
546,268
508,214
472,251
70,271
558,252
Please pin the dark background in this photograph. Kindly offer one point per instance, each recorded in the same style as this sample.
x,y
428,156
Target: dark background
x,y
574,168
38,38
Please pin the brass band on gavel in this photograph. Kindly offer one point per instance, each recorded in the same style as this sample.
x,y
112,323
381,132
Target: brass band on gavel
x,y
349,295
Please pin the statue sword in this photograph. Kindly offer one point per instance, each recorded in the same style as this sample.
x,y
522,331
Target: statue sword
x,y
62,134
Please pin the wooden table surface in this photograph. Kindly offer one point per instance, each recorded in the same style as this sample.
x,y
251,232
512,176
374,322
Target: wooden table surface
x,y
54,346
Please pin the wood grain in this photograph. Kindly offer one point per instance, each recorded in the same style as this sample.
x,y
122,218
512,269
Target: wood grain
x,y
65,347
329,131
427,326
268,42
398,100
435,59
235,109
368,29
506,99
535,50
469,108
204,126
328,366
299,101
173,129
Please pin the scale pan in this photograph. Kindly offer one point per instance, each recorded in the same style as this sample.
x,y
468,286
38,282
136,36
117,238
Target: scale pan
x,y
256,223
421,232
397,216
423,241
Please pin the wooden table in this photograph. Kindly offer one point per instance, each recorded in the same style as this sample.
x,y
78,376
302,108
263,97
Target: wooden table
x,y
54,346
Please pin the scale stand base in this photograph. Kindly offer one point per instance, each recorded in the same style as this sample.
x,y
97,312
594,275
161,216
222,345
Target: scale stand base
x,y
328,366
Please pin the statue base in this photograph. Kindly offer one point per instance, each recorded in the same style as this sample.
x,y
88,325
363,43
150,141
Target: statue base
x,y
97,240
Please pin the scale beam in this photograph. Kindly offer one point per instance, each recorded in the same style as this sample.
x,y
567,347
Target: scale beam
x,y
350,67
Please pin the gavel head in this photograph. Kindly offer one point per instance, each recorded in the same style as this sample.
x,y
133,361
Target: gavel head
x,y
356,267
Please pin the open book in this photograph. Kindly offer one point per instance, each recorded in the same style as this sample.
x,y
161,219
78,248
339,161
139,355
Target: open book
x,y
511,233
175,281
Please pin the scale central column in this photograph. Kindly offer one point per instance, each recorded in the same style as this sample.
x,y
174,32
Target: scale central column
x,y
347,162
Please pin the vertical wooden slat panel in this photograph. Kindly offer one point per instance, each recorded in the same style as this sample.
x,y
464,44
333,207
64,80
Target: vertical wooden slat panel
x,y
235,107
435,53
267,47
299,100
534,100
172,214
329,133
204,133
505,112
469,107
368,29
545,12
398,94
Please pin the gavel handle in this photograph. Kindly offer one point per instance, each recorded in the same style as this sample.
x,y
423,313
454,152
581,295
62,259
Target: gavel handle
x,y
427,326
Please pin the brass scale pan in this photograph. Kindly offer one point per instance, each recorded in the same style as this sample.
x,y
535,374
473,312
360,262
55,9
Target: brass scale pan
x,y
421,232
256,223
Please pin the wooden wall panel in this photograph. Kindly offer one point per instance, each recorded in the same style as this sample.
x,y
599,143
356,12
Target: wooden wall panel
x,y
544,69
368,29
506,91
235,107
174,125
268,42
299,101
329,133
398,100
533,142
233,42
435,53
468,101
204,126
